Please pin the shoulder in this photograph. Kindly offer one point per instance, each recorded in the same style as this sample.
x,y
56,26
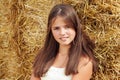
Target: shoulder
x,y
84,61
34,78
84,69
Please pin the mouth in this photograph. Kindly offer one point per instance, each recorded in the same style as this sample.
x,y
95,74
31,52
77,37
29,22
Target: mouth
x,y
63,38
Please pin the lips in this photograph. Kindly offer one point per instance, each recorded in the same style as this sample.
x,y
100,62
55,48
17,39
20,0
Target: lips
x,y
63,38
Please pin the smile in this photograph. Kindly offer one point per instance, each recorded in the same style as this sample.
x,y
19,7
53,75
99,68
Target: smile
x,y
64,38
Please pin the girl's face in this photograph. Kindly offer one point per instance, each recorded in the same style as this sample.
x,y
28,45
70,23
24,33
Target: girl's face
x,y
63,33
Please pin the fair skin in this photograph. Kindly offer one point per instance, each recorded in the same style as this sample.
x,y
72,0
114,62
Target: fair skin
x,y
64,35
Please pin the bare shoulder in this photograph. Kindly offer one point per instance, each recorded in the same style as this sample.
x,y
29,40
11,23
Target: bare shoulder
x,y
84,69
84,61
34,78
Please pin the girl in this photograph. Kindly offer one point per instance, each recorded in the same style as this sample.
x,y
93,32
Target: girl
x,y
68,52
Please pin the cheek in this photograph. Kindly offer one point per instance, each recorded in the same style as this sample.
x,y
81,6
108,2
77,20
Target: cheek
x,y
72,33
55,34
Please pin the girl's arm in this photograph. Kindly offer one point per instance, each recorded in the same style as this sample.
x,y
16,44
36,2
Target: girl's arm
x,y
84,70
34,78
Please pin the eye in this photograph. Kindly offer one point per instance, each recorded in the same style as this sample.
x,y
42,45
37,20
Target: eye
x,y
67,26
55,28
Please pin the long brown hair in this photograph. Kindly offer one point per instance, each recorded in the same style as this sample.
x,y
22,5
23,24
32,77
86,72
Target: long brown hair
x,y
81,45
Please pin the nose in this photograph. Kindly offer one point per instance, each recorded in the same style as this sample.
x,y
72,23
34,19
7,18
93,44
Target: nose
x,y
62,31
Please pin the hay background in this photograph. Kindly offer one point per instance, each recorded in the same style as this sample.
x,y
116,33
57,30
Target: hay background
x,y
23,28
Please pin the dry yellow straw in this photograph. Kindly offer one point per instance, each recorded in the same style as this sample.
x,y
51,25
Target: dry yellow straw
x,y
23,29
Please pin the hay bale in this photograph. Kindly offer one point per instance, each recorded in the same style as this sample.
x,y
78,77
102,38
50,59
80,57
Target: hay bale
x,y
8,59
23,29
101,21
26,25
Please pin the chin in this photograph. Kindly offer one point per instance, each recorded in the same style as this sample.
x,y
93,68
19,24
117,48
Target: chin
x,y
65,44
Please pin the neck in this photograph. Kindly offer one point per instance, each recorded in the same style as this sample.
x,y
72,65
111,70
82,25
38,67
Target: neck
x,y
64,50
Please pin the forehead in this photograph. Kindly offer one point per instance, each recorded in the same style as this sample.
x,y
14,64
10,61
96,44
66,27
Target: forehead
x,y
58,21
61,21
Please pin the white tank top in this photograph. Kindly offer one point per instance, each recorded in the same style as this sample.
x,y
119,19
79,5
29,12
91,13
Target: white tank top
x,y
55,73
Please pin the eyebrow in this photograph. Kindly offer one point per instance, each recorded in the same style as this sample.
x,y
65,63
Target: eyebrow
x,y
55,26
59,25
